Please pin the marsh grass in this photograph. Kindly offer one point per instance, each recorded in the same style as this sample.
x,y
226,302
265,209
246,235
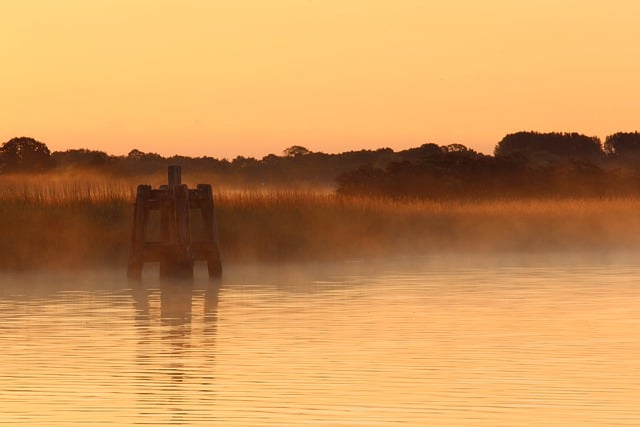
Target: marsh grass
x,y
316,226
74,223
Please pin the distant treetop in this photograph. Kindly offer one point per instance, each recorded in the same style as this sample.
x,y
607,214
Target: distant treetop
x,y
552,146
622,144
24,154
296,151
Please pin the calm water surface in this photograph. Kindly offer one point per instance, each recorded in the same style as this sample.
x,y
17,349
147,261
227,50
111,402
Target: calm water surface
x,y
419,341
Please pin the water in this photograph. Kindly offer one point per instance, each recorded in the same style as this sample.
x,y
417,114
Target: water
x,y
413,342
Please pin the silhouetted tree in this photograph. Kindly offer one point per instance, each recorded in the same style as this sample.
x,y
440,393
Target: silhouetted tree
x,y
549,147
457,148
81,158
24,154
244,162
296,151
623,144
424,151
136,154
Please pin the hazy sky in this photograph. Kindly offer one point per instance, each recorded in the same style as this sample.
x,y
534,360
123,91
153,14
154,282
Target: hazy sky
x,y
252,77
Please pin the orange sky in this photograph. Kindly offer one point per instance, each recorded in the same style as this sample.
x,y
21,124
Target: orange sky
x,y
252,77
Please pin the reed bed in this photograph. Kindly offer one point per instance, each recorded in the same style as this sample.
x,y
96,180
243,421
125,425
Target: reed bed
x,y
51,190
58,223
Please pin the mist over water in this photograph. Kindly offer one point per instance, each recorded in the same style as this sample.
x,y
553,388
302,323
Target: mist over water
x,y
468,340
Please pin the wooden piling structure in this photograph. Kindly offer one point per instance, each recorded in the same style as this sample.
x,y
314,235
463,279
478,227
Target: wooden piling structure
x,y
177,248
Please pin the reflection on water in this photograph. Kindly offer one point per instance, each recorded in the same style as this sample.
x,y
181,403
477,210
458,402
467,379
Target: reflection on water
x,y
176,301
418,342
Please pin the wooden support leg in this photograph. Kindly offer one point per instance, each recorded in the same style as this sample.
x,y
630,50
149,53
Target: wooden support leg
x,y
214,261
178,262
174,175
167,221
140,215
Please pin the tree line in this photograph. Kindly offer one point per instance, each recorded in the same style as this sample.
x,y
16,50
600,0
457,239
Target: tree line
x,y
523,164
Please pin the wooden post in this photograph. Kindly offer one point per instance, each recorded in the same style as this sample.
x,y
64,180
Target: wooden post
x,y
168,212
140,213
178,260
174,175
183,227
212,250
166,209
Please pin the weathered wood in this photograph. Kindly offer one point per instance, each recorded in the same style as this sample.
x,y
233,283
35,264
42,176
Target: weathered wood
x,y
174,264
183,228
178,261
140,214
174,176
211,248
167,219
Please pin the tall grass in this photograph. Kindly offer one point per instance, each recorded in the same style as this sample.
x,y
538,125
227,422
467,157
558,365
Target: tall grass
x,y
74,223
284,225
50,189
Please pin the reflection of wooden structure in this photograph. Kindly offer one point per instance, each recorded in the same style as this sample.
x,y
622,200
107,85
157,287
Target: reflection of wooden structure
x,y
177,248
